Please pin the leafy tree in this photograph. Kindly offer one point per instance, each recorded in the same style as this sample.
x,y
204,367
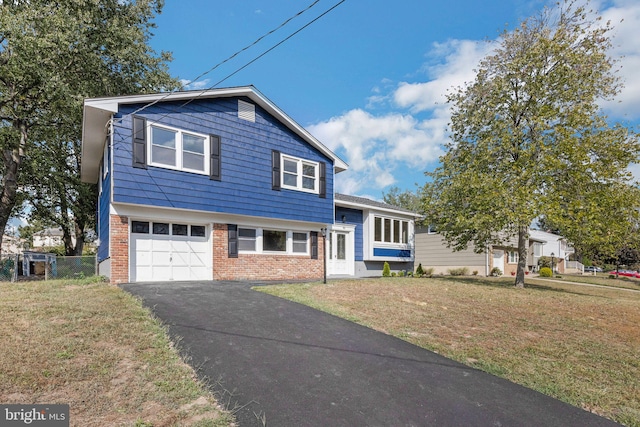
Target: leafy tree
x,y
406,199
52,56
528,139
57,196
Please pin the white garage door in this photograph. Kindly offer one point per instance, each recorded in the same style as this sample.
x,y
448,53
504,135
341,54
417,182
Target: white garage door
x,y
169,251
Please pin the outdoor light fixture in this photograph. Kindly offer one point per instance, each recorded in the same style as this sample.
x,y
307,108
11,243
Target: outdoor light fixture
x,y
344,218
324,256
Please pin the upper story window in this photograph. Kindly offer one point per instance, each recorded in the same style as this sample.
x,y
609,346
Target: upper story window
x,y
178,149
389,230
299,174
537,249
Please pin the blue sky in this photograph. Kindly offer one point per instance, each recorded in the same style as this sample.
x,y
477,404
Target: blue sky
x,y
368,78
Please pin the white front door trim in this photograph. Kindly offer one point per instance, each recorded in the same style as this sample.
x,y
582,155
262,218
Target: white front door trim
x,y
340,250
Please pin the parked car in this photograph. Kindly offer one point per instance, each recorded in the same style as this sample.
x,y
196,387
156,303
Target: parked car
x,y
591,269
626,273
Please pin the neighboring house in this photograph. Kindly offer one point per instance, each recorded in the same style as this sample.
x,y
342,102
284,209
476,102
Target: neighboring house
x,y
372,233
219,184
49,237
543,243
11,245
431,251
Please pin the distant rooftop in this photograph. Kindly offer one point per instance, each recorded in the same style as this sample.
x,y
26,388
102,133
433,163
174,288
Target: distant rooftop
x,y
369,202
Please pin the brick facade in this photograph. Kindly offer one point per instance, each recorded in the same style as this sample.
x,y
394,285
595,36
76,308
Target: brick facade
x,y
262,267
119,244
245,267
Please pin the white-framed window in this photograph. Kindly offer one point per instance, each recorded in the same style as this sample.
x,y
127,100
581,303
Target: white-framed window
x,y
513,257
247,239
269,241
300,242
274,241
537,249
164,228
178,149
431,229
389,230
299,174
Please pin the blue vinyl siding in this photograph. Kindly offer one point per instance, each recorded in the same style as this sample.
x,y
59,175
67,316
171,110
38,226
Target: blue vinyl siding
x,y
353,217
245,187
103,216
392,253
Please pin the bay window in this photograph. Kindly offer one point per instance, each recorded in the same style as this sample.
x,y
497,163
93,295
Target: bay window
x,y
388,230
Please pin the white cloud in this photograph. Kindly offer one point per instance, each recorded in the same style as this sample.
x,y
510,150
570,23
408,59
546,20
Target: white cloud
x,y
190,85
379,147
625,18
408,136
451,64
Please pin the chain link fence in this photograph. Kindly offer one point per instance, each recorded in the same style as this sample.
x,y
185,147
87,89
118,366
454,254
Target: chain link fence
x,y
8,268
40,266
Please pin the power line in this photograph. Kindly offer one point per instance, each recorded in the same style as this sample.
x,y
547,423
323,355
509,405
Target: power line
x,y
234,55
279,43
255,42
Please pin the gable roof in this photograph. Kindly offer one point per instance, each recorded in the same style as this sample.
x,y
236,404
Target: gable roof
x,y
345,200
98,111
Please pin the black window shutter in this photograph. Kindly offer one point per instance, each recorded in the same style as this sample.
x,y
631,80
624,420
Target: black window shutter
x,y
314,245
215,166
233,240
323,180
275,170
139,142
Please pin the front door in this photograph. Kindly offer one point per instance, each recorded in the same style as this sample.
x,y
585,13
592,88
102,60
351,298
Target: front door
x,y
498,259
340,253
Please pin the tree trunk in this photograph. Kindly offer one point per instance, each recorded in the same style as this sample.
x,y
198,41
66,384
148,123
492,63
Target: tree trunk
x,y
79,228
523,239
11,158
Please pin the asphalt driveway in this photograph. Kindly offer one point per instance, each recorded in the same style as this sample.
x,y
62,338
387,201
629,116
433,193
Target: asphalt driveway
x,y
279,363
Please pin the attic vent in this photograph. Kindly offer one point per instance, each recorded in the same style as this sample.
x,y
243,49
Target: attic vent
x,y
246,111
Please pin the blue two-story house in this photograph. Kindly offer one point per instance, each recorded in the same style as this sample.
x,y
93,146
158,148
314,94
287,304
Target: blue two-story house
x,y
213,185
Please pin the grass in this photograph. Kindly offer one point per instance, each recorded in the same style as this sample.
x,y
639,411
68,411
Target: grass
x,y
578,344
94,347
601,279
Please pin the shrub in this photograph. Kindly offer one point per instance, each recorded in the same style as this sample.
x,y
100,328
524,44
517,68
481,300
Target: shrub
x,y
546,272
428,272
495,272
386,270
419,270
394,274
401,273
409,273
544,261
475,272
462,271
